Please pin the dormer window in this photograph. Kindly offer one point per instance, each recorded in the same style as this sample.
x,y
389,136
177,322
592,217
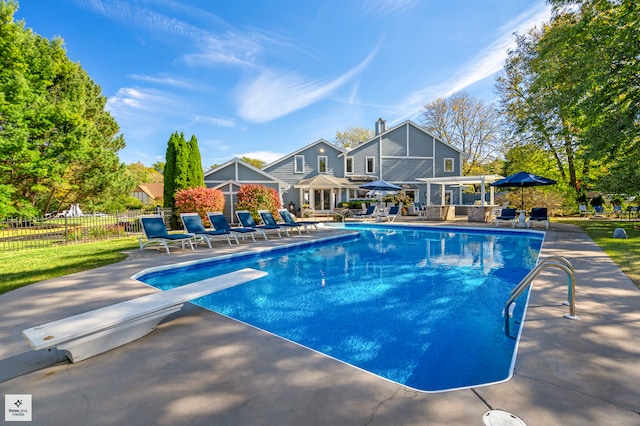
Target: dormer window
x,y
298,164
322,164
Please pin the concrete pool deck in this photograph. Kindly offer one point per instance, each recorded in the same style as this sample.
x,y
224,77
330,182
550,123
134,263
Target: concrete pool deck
x,y
201,368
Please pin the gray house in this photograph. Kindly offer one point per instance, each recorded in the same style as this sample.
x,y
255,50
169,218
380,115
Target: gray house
x,y
321,174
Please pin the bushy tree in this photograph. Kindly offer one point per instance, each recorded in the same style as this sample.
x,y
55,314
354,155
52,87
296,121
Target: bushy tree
x,y
353,137
58,144
254,197
199,200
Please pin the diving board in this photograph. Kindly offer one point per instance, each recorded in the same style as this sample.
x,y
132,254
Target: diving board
x,y
91,333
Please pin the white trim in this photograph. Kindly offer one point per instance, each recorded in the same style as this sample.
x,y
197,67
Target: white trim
x,y
346,169
366,165
453,165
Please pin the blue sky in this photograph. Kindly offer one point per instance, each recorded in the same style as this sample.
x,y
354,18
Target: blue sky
x,y
264,78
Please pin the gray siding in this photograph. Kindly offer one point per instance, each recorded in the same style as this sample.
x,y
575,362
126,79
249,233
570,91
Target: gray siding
x,y
447,151
285,168
406,169
394,143
421,144
360,153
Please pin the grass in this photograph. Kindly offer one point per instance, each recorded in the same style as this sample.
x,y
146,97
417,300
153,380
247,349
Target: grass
x,y
625,253
29,266
20,268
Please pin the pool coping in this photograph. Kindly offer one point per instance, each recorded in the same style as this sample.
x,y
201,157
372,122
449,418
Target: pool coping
x,y
201,368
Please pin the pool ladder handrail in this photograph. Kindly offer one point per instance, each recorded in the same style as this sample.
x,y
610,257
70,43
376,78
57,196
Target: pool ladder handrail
x,y
551,261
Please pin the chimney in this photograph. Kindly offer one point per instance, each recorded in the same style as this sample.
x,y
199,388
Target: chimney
x,y
381,126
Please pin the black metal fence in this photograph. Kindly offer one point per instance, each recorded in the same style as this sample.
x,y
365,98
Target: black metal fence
x,y
28,233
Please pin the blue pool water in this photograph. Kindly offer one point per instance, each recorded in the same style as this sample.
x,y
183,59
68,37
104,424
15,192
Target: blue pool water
x,y
421,307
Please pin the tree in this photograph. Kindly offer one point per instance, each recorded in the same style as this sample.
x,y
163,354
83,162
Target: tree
x,y
574,86
144,174
353,137
467,124
58,144
196,180
254,162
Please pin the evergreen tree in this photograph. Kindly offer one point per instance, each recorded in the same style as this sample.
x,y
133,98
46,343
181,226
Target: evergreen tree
x,y
197,173
170,171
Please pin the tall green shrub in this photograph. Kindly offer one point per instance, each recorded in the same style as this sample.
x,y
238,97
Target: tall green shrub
x,y
197,173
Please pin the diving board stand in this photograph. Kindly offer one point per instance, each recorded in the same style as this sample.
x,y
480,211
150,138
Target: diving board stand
x,y
91,333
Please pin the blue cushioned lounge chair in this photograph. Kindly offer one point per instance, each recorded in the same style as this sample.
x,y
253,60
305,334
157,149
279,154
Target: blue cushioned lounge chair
x,y
270,221
368,214
220,223
245,218
391,215
288,218
539,214
507,215
193,225
155,232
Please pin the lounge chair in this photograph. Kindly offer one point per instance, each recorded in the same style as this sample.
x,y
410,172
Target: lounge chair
x,y
155,231
617,210
392,213
288,218
220,223
193,225
583,210
539,214
507,215
598,210
270,221
247,221
368,214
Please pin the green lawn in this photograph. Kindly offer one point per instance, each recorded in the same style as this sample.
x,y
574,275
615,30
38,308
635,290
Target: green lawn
x,y
25,267
625,253
20,268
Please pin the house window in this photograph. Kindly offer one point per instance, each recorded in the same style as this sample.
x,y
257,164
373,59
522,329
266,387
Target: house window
x,y
322,164
370,165
349,165
448,164
298,164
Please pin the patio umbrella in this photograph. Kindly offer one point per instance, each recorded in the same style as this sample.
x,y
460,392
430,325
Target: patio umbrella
x,y
381,187
522,180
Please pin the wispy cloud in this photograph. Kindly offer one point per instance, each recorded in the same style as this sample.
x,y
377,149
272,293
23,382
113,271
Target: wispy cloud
x,y
484,65
164,80
386,7
129,102
276,93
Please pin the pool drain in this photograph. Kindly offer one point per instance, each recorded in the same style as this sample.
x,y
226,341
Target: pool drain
x,y
501,418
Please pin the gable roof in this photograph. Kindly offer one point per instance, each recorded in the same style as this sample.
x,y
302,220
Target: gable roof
x,y
310,145
414,125
236,162
153,190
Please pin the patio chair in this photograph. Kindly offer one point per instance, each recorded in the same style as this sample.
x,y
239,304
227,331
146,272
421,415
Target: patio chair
x,y
583,210
368,214
539,214
288,218
193,225
617,211
220,223
155,231
392,213
598,210
270,221
247,221
507,215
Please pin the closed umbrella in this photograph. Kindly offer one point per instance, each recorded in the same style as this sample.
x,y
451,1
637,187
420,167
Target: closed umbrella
x,y
522,180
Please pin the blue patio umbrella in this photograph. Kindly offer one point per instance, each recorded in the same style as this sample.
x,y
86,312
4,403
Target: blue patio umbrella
x,y
522,180
381,187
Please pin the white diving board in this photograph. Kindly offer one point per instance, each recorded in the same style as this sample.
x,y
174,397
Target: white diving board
x,y
91,333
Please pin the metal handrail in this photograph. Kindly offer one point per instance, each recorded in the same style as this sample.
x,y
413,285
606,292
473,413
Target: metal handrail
x,y
552,261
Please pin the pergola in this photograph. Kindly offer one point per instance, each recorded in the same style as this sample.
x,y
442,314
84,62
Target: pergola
x,y
462,181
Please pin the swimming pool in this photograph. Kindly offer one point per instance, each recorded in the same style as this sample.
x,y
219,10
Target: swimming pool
x,y
415,305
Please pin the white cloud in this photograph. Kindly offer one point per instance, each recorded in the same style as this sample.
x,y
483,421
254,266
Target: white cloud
x,y
165,80
266,156
386,7
276,93
484,65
